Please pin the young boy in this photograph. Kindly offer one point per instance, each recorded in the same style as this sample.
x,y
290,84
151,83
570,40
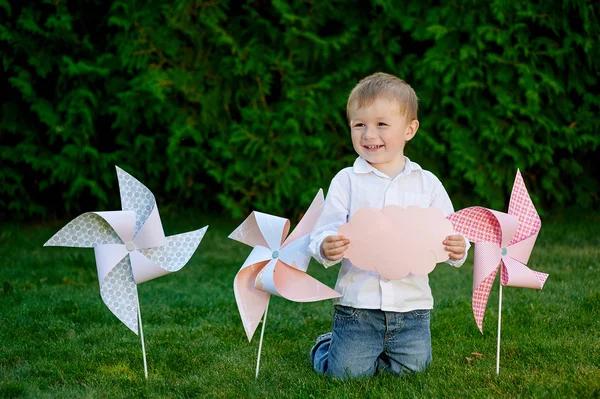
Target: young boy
x,y
378,323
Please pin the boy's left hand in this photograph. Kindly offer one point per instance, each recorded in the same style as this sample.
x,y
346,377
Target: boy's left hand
x,y
455,244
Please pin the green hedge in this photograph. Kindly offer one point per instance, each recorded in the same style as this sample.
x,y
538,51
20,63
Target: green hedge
x,y
218,105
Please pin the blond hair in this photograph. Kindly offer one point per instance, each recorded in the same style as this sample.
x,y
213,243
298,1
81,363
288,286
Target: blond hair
x,y
387,86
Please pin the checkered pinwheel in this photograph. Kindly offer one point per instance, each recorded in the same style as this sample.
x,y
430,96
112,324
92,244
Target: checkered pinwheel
x,y
502,240
130,247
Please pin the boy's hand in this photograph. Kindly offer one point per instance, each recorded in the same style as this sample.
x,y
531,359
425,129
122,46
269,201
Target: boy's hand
x,y
455,244
333,247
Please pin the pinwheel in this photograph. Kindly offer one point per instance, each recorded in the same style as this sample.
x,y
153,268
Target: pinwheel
x,y
130,248
502,242
275,266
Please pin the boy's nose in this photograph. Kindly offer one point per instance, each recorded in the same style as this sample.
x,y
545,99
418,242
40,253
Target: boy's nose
x,y
369,133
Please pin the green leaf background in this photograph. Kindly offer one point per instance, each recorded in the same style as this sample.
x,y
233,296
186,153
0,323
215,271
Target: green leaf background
x,y
233,106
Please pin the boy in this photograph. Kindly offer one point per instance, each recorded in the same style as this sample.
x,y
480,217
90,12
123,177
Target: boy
x,y
378,323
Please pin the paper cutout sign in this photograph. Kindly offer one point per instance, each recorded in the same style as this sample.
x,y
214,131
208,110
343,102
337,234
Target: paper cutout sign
x,y
130,247
501,240
276,265
396,241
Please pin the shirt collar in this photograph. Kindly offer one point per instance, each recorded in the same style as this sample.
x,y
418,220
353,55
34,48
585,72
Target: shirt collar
x,y
362,166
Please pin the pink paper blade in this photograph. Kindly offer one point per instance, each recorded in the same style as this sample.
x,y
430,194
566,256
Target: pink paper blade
x,y
518,275
297,286
309,219
251,302
477,224
522,207
261,229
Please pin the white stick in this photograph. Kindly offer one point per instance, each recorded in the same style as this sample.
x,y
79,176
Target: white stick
x,y
142,337
499,322
262,332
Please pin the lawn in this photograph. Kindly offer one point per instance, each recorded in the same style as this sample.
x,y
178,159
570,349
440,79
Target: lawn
x,y
58,339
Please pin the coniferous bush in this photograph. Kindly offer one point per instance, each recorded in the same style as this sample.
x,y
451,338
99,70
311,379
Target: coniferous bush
x,y
237,106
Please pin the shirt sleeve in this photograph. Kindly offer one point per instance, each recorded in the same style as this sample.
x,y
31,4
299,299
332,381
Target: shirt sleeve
x,y
335,213
441,200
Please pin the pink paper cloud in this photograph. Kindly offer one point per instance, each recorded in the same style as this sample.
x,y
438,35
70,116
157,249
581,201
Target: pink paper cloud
x,y
396,241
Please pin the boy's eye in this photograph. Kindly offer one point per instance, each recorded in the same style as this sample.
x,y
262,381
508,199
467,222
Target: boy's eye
x,y
359,124
382,124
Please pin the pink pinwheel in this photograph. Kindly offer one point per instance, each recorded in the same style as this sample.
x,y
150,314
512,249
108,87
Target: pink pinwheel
x,y
501,240
276,265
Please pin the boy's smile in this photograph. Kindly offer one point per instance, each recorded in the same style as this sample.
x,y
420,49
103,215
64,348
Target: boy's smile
x,y
373,148
379,133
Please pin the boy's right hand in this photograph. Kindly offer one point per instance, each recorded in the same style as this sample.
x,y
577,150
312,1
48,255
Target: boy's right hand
x,y
333,247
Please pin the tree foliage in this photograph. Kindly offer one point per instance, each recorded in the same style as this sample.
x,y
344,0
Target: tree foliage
x,y
235,106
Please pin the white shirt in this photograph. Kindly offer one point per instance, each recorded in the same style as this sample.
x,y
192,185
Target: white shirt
x,y
363,186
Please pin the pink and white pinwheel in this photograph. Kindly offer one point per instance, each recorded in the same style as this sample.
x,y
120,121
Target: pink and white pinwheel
x,y
276,265
502,240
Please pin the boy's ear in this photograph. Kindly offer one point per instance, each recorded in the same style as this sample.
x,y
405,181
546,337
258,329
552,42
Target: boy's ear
x,y
411,129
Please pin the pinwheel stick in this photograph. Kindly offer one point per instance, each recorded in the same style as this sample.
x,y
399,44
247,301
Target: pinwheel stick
x,y
142,338
262,332
499,323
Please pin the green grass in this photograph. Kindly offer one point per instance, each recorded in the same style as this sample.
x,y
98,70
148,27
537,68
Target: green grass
x,y
57,338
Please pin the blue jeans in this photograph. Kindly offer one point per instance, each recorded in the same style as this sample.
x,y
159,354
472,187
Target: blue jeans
x,y
366,341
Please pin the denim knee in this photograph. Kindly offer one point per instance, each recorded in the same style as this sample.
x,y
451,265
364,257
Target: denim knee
x,y
319,354
408,347
357,342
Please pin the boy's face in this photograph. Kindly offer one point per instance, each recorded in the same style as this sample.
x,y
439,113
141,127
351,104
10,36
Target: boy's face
x,y
380,132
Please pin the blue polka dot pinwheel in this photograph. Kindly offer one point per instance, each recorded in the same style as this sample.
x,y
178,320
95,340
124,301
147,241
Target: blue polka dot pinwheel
x,y
130,248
